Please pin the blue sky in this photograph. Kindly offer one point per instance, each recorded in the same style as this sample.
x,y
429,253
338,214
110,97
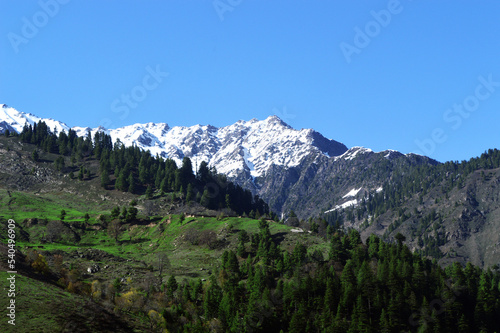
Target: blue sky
x,y
415,76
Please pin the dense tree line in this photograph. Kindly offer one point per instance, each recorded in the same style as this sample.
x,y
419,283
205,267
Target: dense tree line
x,y
131,169
372,287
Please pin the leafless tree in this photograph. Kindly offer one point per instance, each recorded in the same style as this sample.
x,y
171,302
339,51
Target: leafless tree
x,y
162,264
150,207
54,231
192,236
57,262
148,283
208,237
114,229
293,221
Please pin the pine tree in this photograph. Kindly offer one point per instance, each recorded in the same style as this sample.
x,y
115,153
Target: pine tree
x,y
297,323
121,183
189,193
149,192
132,213
160,174
485,303
329,300
186,294
212,299
336,249
124,214
463,325
171,286
205,199
400,238
228,202
241,250
363,321
105,181
115,212
143,170
35,156
164,185
59,163
366,283
186,172
197,289
348,286
232,263
131,183
204,173
384,325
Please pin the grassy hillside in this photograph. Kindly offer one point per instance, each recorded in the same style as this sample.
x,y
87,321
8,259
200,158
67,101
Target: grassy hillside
x,y
45,308
145,253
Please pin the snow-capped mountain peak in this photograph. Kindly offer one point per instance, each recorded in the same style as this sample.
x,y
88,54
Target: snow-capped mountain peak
x,y
247,148
14,120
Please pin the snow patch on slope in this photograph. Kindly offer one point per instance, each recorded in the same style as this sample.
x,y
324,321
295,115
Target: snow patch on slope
x,y
353,152
352,193
353,202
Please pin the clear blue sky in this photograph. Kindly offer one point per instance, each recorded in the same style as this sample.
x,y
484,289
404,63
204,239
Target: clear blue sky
x,y
394,85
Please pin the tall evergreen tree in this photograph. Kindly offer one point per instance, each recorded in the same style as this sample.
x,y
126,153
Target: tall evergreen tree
x,y
132,188
121,182
171,286
105,180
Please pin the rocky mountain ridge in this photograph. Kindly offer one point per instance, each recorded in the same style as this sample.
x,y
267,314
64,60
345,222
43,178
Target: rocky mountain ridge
x,y
245,148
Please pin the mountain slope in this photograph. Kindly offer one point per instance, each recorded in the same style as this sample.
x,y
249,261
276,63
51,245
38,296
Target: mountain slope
x,y
448,211
320,183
